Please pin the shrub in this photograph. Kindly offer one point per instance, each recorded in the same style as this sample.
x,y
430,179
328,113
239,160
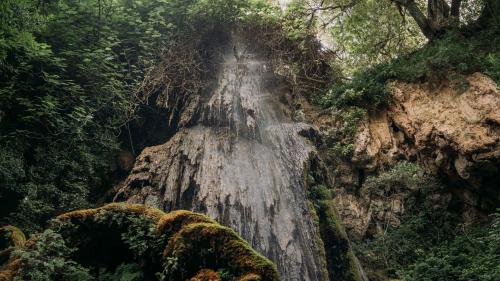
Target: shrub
x,y
340,137
124,272
430,244
124,242
403,176
470,255
49,259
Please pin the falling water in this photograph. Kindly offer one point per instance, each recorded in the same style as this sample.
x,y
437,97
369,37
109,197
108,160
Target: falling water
x,y
243,164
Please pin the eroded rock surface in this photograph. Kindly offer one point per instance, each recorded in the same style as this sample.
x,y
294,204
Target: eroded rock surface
x,y
450,132
243,165
457,129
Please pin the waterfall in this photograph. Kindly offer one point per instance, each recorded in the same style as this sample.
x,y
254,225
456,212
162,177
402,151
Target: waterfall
x,y
243,164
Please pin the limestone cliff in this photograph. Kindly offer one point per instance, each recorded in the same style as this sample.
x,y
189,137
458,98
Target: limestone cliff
x,y
452,130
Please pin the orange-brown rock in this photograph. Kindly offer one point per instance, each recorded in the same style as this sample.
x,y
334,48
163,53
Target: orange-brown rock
x,y
451,131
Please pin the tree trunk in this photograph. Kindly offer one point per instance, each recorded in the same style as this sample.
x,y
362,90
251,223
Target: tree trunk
x,y
437,15
418,16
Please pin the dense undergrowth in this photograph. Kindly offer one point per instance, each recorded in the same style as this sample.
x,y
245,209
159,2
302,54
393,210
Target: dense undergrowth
x,y
429,247
67,69
134,242
431,243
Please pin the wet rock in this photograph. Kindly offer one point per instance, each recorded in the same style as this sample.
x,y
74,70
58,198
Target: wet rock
x,y
243,165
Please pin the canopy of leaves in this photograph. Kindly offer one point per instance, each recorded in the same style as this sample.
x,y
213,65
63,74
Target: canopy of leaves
x,y
373,32
66,72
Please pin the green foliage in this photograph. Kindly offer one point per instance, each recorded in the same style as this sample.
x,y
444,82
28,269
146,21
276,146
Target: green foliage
x,y
470,255
140,232
64,93
400,247
425,223
450,57
124,272
403,176
225,275
50,260
296,25
430,244
12,179
69,71
171,264
340,137
373,32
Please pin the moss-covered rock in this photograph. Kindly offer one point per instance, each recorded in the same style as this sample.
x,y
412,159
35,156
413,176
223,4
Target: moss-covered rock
x,y
341,262
11,238
206,275
176,246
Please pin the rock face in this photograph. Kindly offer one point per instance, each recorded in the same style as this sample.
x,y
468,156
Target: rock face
x,y
242,164
450,132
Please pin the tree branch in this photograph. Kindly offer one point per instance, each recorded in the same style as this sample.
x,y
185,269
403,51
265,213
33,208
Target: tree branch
x,y
418,16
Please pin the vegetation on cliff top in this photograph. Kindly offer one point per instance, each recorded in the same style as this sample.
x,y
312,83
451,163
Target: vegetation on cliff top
x,y
378,42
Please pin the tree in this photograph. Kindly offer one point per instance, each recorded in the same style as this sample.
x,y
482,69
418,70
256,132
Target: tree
x,y
433,17
442,15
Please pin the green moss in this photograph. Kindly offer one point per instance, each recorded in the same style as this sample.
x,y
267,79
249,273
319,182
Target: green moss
x,y
206,275
124,208
340,260
317,238
13,236
207,244
11,239
174,245
174,221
